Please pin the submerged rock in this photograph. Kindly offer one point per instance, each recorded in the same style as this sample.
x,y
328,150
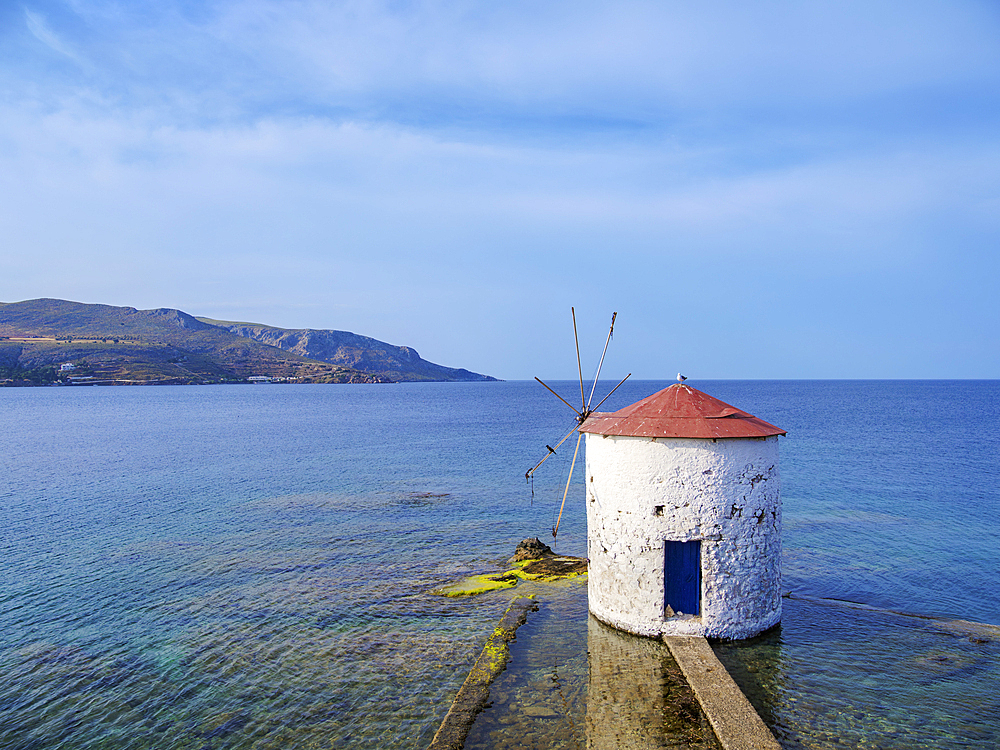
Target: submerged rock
x,y
551,568
531,549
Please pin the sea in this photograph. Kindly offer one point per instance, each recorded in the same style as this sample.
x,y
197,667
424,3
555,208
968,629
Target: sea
x,y
258,566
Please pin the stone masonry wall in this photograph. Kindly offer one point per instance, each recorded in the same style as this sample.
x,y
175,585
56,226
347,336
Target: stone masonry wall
x,y
642,491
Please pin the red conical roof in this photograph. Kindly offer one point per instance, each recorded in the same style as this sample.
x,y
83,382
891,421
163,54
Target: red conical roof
x,y
680,411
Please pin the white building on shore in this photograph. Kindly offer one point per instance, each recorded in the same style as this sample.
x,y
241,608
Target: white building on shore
x,y
683,517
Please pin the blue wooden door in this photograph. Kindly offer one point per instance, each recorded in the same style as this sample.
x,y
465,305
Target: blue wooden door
x,y
682,577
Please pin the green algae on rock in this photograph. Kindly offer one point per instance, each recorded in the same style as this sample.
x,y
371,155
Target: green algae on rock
x,y
547,568
475,691
480,584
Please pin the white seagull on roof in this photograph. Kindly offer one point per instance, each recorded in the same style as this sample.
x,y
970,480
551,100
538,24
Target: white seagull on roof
x,y
681,378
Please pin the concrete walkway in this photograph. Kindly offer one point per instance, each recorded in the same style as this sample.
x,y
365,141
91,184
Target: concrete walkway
x,y
475,691
737,725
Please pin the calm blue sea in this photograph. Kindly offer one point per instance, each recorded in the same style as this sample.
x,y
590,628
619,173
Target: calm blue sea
x,y
254,566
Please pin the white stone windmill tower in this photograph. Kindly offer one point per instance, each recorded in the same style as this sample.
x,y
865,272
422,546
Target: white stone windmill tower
x,y
683,514
683,517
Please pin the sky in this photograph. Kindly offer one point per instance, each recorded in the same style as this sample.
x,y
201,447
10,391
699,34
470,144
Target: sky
x,y
759,190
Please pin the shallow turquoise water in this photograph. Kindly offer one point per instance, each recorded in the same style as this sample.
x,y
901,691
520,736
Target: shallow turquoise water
x,y
237,566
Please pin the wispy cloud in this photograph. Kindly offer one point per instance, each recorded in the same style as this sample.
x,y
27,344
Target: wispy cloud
x,y
39,28
488,164
525,69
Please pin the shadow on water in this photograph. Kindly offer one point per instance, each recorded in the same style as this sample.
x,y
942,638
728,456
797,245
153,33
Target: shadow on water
x,y
573,682
832,676
637,696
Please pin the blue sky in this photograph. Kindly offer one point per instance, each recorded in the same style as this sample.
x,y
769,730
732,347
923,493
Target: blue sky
x,y
769,190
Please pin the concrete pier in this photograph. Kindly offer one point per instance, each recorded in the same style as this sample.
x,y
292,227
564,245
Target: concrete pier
x,y
736,724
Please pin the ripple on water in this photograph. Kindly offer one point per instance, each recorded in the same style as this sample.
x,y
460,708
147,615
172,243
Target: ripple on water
x,y
249,648
231,568
834,676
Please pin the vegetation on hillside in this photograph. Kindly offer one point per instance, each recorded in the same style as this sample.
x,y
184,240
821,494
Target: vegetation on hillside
x,y
122,345
17,375
348,349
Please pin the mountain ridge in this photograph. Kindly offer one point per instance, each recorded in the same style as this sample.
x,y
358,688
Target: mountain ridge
x,y
110,344
351,350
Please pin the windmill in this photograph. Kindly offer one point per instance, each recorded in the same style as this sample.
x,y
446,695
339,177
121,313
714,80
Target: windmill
x,y
585,410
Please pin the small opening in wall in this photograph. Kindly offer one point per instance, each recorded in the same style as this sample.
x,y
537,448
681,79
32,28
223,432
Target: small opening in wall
x,y
658,510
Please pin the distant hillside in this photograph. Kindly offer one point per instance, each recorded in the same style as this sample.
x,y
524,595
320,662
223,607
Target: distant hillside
x,y
109,344
350,350
124,345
